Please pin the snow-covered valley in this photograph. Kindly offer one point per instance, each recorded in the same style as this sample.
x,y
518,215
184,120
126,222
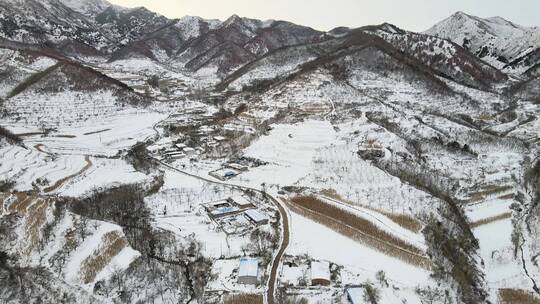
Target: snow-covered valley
x,y
286,166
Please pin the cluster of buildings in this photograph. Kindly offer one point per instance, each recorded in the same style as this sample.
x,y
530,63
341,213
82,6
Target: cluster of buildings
x,y
169,150
236,215
299,273
228,171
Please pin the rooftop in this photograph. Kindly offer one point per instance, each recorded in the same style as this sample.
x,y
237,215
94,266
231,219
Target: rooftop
x,y
256,216
241,200
356,295
224,210
248,267
320,270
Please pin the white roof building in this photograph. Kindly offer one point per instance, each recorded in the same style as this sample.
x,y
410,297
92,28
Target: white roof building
x,y
256,217
320,273
189,150
248,272
355,295
241,201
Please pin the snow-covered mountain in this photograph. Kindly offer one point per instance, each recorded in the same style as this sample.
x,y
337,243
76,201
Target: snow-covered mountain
x,y
96,28
445,57
133,147
48,22
496,40
88,8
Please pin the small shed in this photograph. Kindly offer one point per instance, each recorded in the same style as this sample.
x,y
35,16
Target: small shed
x,y
248,271
355,295
320,273
256,217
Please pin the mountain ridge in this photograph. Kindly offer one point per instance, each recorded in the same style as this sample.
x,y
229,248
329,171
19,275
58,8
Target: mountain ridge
x,y
98,29
495,40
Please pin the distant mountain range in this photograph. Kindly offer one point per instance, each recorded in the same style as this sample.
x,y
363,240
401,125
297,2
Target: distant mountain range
x,y
497,41
470,50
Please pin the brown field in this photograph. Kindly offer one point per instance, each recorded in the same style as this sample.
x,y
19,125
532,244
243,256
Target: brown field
x,y
492,219
517,296
244,299
33,210
404,220
112,243
36,217
487,190
507,196
21,203
359,229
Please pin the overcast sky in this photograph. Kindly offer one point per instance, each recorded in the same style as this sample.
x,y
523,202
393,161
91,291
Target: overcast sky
x,y
416,15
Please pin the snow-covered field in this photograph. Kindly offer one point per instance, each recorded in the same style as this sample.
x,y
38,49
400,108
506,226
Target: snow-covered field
x,y
74,142
26,166
359,261
102,174
177,208
289,149
306,237
96,137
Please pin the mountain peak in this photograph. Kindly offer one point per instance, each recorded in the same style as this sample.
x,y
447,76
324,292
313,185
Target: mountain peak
x,y
496,40
460,14
233,19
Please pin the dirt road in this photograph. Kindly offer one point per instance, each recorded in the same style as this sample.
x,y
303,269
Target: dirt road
x,y
61,182
272,279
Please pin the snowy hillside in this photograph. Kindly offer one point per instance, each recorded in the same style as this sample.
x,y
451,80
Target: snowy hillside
x,y
495,40
193,161
87,7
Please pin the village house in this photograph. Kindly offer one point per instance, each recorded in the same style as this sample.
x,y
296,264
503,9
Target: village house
x,y
320,273
240,201
256,217
248,271
189,151
236,166
355,295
